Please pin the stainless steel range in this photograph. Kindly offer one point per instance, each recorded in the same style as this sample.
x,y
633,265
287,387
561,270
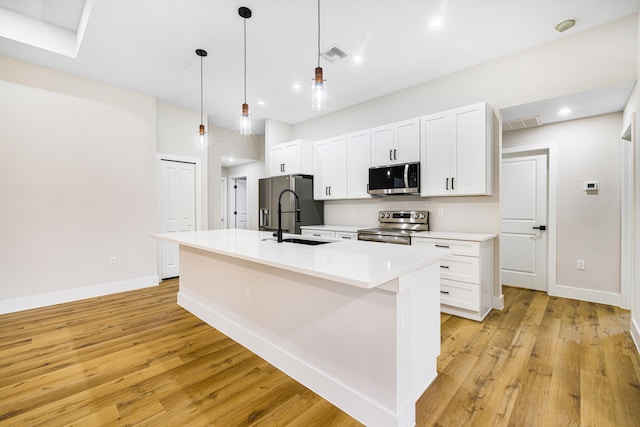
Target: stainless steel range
x,y
396,227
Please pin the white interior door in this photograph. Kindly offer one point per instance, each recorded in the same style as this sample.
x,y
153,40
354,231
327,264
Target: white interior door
x,y
523,246
177,208
240,211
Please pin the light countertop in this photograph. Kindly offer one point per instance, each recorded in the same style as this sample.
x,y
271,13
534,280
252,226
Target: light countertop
x,y
356,263
449,235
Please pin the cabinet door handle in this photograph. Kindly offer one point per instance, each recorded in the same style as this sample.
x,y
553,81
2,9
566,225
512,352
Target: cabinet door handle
x,y
390,158
444,292
444,266
443,246
447,185
452,186
316,235
326,191
394,154
346,237
541,228
329,190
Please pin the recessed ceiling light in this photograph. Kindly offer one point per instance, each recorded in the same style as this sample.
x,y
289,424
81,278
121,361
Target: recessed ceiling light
x,y
260,103
565,25
564,111
437,22
297,86
357,59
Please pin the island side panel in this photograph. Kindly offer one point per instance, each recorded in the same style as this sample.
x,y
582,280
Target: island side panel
x,y
339,340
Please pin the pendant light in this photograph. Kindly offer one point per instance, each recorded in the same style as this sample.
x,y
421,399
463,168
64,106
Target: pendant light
x,y
245,118
319,89
202,135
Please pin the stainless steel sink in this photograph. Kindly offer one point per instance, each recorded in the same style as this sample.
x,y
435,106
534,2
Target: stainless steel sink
x,y
304,241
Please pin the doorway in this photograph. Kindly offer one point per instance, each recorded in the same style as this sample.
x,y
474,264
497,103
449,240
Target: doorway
x,y
177,207
238,202
524,242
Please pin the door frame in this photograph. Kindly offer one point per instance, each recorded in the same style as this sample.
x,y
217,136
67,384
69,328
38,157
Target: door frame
x,y
224,211
627,212
525,150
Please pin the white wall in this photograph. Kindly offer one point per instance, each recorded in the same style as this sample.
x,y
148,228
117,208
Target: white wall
x,y
600,57
587,224
78,186
177,134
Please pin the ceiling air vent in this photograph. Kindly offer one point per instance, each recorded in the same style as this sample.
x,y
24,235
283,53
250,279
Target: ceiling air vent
x,y
528,122
334,54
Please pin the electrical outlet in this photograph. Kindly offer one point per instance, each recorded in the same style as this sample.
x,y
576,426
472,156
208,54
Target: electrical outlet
x,y
112,261
580,264
440,211
247,294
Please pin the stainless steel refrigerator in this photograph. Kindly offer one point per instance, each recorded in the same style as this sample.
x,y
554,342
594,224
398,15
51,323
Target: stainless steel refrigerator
x,y
311,211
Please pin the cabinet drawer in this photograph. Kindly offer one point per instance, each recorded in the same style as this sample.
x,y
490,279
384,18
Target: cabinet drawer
x,y
345,235
461,268
459,247
319,233
458,294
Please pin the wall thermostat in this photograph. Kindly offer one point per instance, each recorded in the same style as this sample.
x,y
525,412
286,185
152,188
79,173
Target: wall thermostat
x,y
591,185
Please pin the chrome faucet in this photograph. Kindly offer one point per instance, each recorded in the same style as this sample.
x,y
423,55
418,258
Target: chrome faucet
x,y
297,212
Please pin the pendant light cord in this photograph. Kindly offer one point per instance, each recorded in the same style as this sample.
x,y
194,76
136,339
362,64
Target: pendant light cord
x,y
245,60
318,33
201,91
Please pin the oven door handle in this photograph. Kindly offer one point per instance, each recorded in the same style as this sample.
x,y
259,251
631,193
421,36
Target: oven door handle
x,y
385,238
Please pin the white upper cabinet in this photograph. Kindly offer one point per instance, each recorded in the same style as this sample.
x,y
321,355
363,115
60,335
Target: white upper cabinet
x,y
330,168
358,155
294,157
456,152
396,143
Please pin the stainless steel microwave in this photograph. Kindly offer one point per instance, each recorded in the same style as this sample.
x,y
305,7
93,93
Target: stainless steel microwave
x,y
395,179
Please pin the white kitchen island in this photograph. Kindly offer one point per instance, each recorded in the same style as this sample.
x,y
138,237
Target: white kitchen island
x,y
356,322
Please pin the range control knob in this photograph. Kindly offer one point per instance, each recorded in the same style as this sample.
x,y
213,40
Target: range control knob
x,y
381,214
387,215
421,216
415,215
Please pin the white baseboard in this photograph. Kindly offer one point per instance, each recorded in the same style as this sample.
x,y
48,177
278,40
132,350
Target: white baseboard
x,y
590,295
635,334
44,300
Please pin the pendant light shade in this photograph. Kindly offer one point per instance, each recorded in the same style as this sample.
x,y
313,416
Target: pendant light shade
x,y
245,117
202,135
319,89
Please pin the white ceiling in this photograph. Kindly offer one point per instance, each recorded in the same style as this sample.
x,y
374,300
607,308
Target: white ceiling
x,y
149,46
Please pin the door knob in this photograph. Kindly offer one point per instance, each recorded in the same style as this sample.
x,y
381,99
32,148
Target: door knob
x,y
541,228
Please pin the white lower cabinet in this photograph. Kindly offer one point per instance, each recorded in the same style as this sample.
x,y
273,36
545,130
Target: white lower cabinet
x,y
330,232
466,276
319,233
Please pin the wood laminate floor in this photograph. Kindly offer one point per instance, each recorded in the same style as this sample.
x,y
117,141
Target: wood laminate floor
x,y
137,358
